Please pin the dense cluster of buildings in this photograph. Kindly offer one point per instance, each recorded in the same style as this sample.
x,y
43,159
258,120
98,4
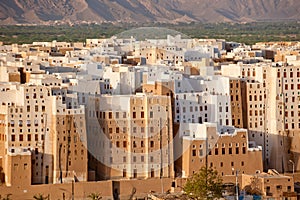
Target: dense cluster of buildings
x,y
119,108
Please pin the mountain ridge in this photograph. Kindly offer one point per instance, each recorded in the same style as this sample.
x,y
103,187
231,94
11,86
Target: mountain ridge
x,y
138,11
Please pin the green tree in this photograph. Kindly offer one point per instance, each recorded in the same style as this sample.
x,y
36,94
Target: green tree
x,y
40,197
205,184
94,196
7,197
254,187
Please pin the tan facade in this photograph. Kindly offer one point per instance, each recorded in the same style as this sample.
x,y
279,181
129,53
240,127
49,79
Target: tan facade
x,y
271,185
272,118
238,103
135,137
159,88
28,126
165,54
137,189
70,147
29,122
3,138
221,151
17,168
283,118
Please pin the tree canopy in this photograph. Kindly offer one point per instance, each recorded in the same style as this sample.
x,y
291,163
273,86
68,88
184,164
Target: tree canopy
x,y
205,184
40,197
95,196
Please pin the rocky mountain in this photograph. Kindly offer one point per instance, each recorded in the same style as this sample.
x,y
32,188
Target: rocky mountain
x,y
170,11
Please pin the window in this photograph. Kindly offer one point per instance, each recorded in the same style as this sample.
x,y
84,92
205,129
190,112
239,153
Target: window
x,y
216,151
151,114
151,159
134,115
237,150
268,189
142,114
201,152
278,187
223,151
194,152
152,173
151,144
244,150
12,123
230,150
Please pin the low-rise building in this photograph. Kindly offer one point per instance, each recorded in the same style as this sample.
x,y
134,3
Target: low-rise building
x,y
220,147
271,185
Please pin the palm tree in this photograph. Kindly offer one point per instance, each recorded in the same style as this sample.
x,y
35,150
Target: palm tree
x,y
6,198
40,197
95,196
